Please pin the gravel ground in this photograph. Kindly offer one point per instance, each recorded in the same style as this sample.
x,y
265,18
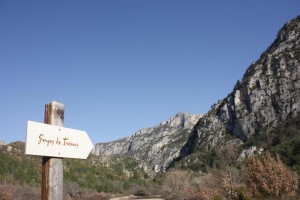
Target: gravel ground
x,y
134,197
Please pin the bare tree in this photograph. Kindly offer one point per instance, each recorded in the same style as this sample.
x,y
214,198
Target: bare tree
x,y
267,177
176,185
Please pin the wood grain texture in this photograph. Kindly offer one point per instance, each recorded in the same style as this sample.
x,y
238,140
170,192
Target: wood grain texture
x,y
52,169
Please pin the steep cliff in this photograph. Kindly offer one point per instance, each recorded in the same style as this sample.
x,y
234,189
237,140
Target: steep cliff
x,y
155,147
267,95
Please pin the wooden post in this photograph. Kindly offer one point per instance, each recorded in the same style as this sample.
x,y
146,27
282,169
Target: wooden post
x,y
52,170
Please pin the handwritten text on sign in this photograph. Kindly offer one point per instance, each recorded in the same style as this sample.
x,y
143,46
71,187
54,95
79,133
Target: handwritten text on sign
x,y
59,141
54,141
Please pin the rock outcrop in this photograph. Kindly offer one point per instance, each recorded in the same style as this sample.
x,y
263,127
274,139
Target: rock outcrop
x,y
155,147
267,95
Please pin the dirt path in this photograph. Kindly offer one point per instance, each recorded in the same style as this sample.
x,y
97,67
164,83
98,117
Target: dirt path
x,y
134,197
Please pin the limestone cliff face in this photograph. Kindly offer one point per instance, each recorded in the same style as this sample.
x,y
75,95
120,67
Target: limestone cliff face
x,y
268,94
155,147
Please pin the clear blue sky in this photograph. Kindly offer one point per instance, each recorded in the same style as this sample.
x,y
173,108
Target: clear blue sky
x,y
122,65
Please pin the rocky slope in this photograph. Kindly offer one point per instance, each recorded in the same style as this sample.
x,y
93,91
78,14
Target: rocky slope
x,y
267,95
155,147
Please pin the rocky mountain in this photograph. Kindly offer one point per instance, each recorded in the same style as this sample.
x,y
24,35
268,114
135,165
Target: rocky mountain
x,y
267,95
154,147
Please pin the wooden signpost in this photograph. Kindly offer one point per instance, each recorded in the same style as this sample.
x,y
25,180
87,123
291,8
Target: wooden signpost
x,y
54,142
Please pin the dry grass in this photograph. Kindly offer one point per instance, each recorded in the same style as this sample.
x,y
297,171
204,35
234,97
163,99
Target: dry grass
x,y
18,192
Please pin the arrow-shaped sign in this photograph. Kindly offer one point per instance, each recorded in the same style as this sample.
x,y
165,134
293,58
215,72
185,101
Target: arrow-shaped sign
x,y
55,141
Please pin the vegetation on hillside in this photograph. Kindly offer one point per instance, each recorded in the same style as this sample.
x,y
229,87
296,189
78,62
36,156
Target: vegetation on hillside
x,y
284,140
262,177
93,176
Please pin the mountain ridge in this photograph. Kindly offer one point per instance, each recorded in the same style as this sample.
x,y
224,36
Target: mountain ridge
x,y
156,146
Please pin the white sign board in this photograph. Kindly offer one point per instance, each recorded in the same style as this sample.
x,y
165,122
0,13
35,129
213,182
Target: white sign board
x,y
55,141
